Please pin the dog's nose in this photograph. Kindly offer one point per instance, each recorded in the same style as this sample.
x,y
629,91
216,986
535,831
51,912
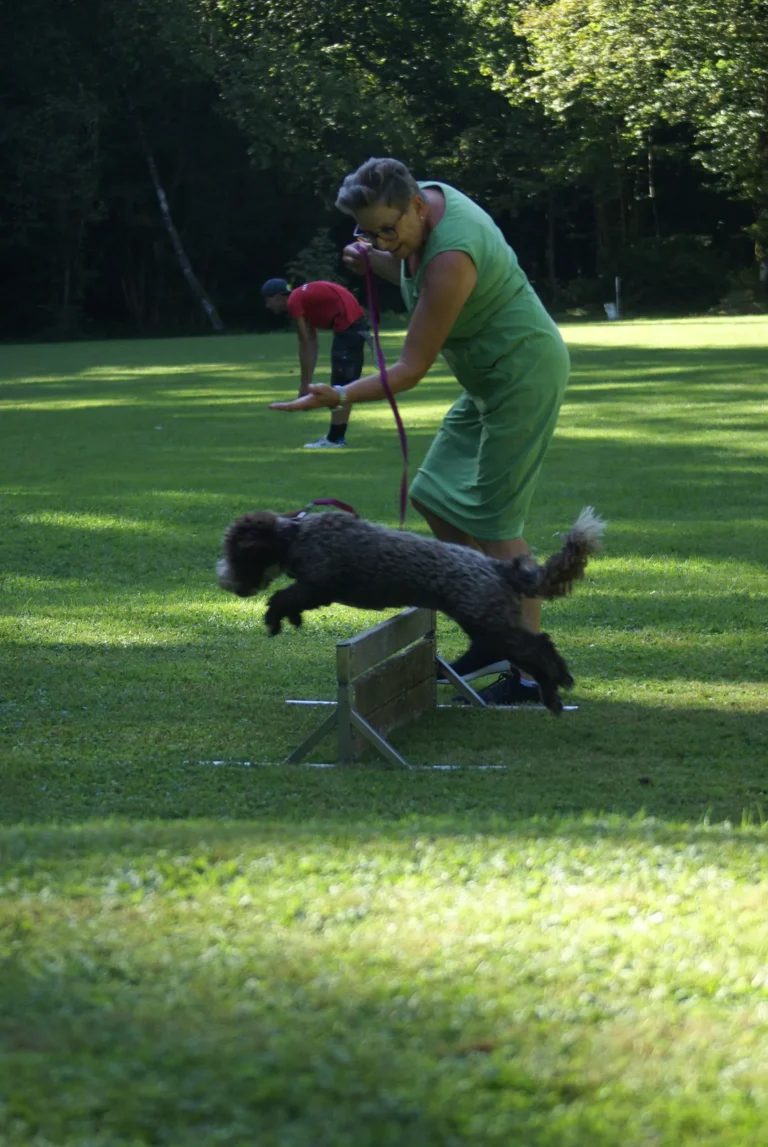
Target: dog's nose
x,y
224,575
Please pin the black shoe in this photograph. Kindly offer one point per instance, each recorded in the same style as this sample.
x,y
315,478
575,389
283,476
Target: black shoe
x,y
508,690
476,662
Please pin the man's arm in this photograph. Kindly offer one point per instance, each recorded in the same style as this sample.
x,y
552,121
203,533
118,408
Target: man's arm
x,y
308,343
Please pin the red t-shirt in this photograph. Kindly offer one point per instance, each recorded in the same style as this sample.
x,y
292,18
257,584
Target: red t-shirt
x,y
325,305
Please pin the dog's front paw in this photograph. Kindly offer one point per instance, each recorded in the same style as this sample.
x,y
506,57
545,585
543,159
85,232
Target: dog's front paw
x,y
554,704
551,697
295,619
273,620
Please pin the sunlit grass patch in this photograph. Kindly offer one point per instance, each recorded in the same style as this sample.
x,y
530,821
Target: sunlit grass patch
x,y
560,941
562,980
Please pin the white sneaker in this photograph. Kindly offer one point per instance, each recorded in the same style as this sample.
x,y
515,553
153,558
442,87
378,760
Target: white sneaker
x,y
323,443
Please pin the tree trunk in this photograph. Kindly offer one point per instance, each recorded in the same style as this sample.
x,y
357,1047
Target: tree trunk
x,y
759,231
622,200
602,238
551,263
652,188
761,256
199,290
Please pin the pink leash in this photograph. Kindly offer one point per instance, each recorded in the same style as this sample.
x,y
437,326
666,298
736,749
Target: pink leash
x,y
373,310
335,502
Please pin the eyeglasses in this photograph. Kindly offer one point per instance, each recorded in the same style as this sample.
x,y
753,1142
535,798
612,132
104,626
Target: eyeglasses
x,y
387,234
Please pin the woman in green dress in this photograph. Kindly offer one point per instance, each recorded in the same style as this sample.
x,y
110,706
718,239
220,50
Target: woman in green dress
x,y
468,299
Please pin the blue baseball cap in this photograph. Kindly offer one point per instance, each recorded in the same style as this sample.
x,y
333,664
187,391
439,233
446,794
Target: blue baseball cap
x,y
275,287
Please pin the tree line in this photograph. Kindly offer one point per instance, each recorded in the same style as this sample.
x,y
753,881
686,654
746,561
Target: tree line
x,y
160,158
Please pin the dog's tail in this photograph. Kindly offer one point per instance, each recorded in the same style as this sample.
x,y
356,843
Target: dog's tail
x,y
556,576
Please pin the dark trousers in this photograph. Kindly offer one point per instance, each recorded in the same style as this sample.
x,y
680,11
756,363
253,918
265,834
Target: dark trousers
x,y
347,352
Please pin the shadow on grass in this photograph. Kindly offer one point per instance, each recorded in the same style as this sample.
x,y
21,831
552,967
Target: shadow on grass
x,y
613,447
724,365
118,724
715,492
175,740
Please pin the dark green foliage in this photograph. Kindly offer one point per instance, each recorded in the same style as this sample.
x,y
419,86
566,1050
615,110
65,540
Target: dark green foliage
x,y
320,259
682,273
254,111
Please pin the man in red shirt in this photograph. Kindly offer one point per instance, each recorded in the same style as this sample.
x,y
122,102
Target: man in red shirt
x,y
324,306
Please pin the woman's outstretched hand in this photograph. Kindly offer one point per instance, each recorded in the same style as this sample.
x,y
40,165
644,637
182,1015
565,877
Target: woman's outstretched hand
x,y
319,395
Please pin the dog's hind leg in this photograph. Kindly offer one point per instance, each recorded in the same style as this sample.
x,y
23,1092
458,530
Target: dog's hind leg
x,y
536,655
290,603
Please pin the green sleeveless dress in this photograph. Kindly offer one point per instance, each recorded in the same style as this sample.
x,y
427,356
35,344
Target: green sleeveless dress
x,y
509,357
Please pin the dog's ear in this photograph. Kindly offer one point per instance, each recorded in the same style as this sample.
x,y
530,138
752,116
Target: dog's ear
x,y
256,531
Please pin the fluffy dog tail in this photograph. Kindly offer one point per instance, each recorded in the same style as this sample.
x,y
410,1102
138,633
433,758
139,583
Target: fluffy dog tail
x,y
556,576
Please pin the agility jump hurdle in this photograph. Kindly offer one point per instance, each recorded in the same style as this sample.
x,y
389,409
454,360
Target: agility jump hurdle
x,y
386,677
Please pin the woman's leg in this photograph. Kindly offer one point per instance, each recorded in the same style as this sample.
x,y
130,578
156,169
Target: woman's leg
x,y
530,607
475,662
505,550
513,548
443,530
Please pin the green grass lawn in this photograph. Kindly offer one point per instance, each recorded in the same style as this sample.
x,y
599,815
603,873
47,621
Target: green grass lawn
x,y
570,949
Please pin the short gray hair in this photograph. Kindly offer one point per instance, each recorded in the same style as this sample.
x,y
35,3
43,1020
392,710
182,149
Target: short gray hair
x,y
378,181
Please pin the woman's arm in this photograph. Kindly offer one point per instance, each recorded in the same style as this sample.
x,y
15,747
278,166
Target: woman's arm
x,y
448,282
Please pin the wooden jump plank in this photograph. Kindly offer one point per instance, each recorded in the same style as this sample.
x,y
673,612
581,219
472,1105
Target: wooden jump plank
x,y
390,755
314,738
386,678
394,679
401,710
460,685
360,653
